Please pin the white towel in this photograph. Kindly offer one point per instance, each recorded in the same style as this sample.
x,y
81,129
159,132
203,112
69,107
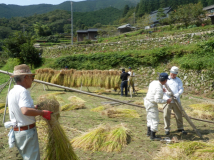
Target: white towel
x,y
11,135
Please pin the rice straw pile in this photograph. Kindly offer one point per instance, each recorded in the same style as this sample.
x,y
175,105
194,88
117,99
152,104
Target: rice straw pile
x,y
121,113
103,138
117,138
75,99
58,146
98,109
187,150
202,111
68,107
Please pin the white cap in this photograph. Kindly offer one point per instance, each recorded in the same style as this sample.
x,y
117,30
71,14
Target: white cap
x,y
174,70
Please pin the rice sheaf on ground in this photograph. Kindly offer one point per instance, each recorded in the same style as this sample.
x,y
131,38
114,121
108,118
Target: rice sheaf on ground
x,y
74,121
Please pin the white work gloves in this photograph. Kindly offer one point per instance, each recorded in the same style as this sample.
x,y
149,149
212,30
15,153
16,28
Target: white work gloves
x,y
177,95
168,93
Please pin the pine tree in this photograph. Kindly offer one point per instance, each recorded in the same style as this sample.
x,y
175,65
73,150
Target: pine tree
x,y
150,6
204,3
160,14
125,10
162,3
210,2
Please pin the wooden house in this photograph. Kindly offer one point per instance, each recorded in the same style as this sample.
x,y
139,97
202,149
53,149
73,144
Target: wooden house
x,y
90,34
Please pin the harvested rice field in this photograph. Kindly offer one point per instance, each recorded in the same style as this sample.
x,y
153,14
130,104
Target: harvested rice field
x,y
78,122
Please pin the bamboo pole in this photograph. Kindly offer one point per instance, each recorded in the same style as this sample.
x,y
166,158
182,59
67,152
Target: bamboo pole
x,y
183,112
5,85
11,79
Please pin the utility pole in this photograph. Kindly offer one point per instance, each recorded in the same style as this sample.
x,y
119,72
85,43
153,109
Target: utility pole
x,y
134,17
71,23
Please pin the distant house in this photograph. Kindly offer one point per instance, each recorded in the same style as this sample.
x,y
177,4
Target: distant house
x,y
90,34
125,28
210,12
154,17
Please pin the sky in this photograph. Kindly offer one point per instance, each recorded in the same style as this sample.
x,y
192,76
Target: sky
x,y
31,2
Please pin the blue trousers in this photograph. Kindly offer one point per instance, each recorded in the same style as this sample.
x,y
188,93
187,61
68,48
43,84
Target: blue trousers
x,y
27,144
124,84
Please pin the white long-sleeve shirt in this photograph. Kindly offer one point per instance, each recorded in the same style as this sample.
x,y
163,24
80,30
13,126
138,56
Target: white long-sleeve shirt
x,y
176,86
155,93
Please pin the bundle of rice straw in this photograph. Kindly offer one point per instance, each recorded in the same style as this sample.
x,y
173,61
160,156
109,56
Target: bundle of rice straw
x,y
58,146
98,109
187,150
91,140
118,137
69,107
75,99
103,138
121,112
201,110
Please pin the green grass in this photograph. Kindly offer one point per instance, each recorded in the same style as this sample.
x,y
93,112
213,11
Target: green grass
x,y
76,121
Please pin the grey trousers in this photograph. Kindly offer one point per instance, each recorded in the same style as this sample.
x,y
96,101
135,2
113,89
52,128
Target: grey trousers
x,y
167,116
27,144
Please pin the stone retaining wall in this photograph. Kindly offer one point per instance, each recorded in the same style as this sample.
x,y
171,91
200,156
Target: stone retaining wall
x,y
194,82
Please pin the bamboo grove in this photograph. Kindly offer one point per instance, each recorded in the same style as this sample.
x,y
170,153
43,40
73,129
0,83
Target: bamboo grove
x,y
76,78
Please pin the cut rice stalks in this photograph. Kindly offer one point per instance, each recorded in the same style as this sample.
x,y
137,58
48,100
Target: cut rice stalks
x,y
75,99
75,78
58,144
187,150
202,111
121,113
98,109
118,138
91,140
69,107
103,138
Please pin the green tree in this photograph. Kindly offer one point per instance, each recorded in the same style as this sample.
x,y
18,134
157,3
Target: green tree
x,y
125,10
187,13
160,14
210,2
20,46
144,21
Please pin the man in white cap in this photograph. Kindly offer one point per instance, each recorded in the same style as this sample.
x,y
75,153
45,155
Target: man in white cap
x,y
176,86
153,97
22,113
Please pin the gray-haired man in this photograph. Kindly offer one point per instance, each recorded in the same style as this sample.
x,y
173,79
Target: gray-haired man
x,y
176,85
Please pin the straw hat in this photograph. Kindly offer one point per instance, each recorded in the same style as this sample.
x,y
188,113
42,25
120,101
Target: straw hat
x,y
22,69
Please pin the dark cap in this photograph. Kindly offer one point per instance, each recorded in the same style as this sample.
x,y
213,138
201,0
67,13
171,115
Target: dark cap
x,y
130,67
163,76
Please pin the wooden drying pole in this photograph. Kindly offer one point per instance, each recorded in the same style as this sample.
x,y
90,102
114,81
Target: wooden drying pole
x,y
183,112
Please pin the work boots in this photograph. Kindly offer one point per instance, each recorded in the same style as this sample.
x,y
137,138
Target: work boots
x,y
153,137
182,131
148,132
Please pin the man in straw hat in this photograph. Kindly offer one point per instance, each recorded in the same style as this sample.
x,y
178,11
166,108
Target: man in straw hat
x,y
22,113
176,85
153,97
